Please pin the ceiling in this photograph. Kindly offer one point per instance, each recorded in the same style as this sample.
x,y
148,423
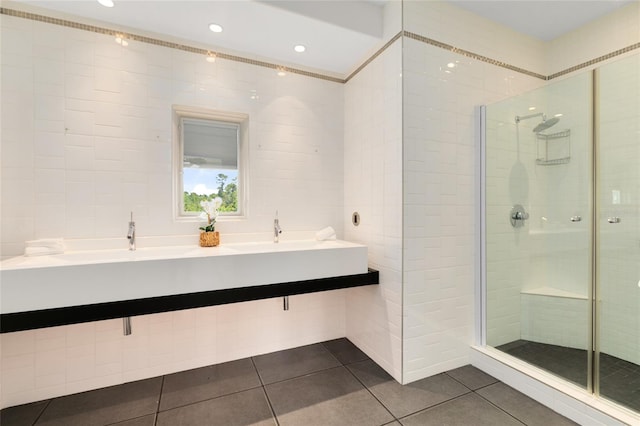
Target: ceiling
x,y
336,43
542,19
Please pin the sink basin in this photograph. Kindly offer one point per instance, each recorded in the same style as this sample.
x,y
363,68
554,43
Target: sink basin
x,y
110,256
99,276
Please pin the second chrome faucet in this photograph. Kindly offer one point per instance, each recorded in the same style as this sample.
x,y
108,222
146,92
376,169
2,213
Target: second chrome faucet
x,y
131,235
276,229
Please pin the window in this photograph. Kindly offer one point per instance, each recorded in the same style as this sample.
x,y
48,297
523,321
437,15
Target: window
x,y
210,160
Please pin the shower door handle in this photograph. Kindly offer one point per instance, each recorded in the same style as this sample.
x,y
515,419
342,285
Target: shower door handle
x,y
613,219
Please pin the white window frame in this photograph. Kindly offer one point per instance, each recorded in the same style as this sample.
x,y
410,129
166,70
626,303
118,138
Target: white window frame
x,y
180,112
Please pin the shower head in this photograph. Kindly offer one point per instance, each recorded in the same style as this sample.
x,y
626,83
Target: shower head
x,y
546,124
542,126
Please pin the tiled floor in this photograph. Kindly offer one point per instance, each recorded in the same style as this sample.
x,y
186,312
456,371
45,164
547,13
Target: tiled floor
x,y
619,379
330,383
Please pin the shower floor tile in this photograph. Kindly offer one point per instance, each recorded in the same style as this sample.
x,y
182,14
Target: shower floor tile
x,y
331,383
619,379
572,364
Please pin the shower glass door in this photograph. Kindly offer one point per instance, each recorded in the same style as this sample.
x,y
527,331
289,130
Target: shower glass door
x,y
618,231
538,244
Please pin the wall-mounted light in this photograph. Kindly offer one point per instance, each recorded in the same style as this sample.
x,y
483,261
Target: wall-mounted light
x,y
120,39
106,3
211,57
215,28
299,48
282,71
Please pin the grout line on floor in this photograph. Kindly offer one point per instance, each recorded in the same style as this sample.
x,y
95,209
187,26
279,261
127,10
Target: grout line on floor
x,y
209,399
472,390
264,390
304,375
501,409
155,421
435,405
372,394
134,418
331,353
486,386
273,412
42,412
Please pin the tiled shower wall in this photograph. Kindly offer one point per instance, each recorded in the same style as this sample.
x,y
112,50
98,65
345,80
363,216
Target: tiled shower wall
x,y
86,138
439,173
549,257
619,156
373,188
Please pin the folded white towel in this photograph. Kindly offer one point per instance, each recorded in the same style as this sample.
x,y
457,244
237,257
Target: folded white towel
x,y
327,233
41,251
55,243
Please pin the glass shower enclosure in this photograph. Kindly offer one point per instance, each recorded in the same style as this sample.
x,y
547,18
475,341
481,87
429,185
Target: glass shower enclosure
x,y
562,229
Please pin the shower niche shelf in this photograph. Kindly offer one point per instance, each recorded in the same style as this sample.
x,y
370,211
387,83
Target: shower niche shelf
x,y
553,148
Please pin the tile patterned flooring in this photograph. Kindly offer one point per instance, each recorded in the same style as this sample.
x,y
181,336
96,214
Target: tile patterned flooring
x,y
325,384
619,379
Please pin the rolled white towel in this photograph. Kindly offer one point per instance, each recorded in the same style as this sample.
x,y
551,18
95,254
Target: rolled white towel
x,y
41,251
327,233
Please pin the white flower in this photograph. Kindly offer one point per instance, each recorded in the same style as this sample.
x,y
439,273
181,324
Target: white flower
x,y
210,210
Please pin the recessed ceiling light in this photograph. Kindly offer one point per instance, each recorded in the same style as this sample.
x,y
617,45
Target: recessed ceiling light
x,y
451,65
215,28
299,48
106,3
532,108
558,115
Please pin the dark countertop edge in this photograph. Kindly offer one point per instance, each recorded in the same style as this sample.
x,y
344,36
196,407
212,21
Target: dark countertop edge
x,y
29,320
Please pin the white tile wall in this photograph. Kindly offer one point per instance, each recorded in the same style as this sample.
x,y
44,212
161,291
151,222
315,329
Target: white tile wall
x,y
45,363
94,122
86,138
373,187
555,320
439,191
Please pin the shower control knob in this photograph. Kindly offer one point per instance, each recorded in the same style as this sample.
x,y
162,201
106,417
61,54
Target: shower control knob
x,y
518,215
613,219
576,218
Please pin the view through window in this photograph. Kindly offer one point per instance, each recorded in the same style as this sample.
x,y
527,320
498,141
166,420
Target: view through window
x,y
210,166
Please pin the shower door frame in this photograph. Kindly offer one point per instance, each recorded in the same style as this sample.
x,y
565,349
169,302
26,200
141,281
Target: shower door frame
x,y
575,402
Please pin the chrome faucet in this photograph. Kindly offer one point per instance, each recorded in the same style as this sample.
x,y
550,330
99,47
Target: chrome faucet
x,y
276,229
131,235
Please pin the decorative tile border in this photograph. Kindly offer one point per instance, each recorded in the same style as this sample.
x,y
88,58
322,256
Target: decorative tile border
x,y
472,55
171,45
595,61
408,34
374,56
478,57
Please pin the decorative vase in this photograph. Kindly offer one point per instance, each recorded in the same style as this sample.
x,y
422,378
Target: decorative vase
x,y
209,239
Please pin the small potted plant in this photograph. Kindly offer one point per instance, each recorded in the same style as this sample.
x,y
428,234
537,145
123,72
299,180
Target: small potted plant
x,y
209,237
